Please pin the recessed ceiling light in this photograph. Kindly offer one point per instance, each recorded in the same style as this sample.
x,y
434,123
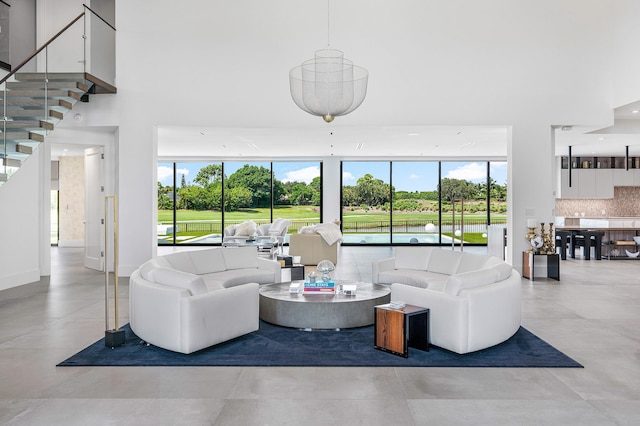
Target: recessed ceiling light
x,y
413,134
635,111
601,138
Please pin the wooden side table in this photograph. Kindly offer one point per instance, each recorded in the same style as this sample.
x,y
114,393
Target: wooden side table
x,y
528,264
398,329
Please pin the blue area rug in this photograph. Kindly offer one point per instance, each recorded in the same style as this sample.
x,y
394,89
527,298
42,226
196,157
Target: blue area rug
x,y
278,346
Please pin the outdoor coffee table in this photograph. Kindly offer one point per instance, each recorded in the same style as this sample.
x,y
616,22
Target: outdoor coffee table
x,y
321,311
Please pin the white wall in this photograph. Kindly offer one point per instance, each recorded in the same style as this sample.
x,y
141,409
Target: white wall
x,y
19,225
526,64
625,64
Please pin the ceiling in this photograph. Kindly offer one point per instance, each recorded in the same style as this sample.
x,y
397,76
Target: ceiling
x,y
325,140
342,140
477,142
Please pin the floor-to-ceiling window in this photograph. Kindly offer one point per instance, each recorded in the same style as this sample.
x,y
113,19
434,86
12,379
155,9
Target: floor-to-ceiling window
x,y
414,202
297,190
247,192
191,196
464,202
415,206
366,202
498,192
193,191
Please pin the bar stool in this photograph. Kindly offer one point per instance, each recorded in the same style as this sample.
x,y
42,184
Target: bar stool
x,y
587,239
593,239
562,241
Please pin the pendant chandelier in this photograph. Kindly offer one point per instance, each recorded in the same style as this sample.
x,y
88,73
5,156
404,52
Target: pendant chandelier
x,y
328,85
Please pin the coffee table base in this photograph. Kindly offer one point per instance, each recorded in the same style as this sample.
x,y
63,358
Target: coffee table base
x,y
321,312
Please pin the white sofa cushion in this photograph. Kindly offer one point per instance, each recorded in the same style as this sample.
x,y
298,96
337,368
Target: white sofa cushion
x,y
471,262
456,283
504,269
156,262
240,257
416,258
174,278
232,278
181,261
208,260
444,261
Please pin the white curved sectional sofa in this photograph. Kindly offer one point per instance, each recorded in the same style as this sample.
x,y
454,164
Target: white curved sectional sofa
x,y
187,301
474,300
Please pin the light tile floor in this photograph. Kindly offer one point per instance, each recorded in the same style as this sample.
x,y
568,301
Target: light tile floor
x,y
592,314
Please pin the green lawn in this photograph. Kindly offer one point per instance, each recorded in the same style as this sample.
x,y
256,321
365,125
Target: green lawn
x,y
305,213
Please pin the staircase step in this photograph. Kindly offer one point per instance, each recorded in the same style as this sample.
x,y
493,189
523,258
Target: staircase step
x,y
40,93
52,76
36,135
17,113
19,101
14,160
27,147
67,85
29,124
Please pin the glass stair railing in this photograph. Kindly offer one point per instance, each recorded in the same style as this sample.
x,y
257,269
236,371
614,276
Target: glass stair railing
x,y
40,91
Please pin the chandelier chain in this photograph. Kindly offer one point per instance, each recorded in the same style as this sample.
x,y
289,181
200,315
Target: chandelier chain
x,y
328,24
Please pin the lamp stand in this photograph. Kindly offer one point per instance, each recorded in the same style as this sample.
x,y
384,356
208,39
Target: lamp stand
x,y
112,337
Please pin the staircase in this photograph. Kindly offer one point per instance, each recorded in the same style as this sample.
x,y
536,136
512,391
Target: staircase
x,y
33,105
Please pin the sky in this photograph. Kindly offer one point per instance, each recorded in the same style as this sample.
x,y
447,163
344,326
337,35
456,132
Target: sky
x,y
407,176
422,176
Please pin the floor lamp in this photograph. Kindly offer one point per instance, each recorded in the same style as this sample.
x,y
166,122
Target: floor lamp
x,y
112,337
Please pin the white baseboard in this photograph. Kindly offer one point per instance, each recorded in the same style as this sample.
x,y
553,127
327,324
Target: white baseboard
x,y
15,280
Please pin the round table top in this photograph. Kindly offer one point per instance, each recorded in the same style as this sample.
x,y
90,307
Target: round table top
x,y
364,291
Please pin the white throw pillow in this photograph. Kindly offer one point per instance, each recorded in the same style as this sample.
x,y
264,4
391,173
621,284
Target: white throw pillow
x,y
246,228
240,257
194,283
456,283
306,230
208,260
416,258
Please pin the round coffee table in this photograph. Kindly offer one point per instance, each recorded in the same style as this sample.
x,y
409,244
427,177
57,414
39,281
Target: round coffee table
x,y
321,311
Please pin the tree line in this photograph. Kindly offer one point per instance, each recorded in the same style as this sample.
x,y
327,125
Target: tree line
x,y
248,187
252,186
370,192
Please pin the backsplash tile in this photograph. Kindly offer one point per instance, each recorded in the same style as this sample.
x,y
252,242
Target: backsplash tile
x,y
626,203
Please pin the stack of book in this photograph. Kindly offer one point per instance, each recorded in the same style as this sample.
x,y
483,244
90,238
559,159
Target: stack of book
x,y
319,287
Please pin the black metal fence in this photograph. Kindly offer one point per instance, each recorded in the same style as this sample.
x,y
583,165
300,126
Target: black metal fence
x,y
473,224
